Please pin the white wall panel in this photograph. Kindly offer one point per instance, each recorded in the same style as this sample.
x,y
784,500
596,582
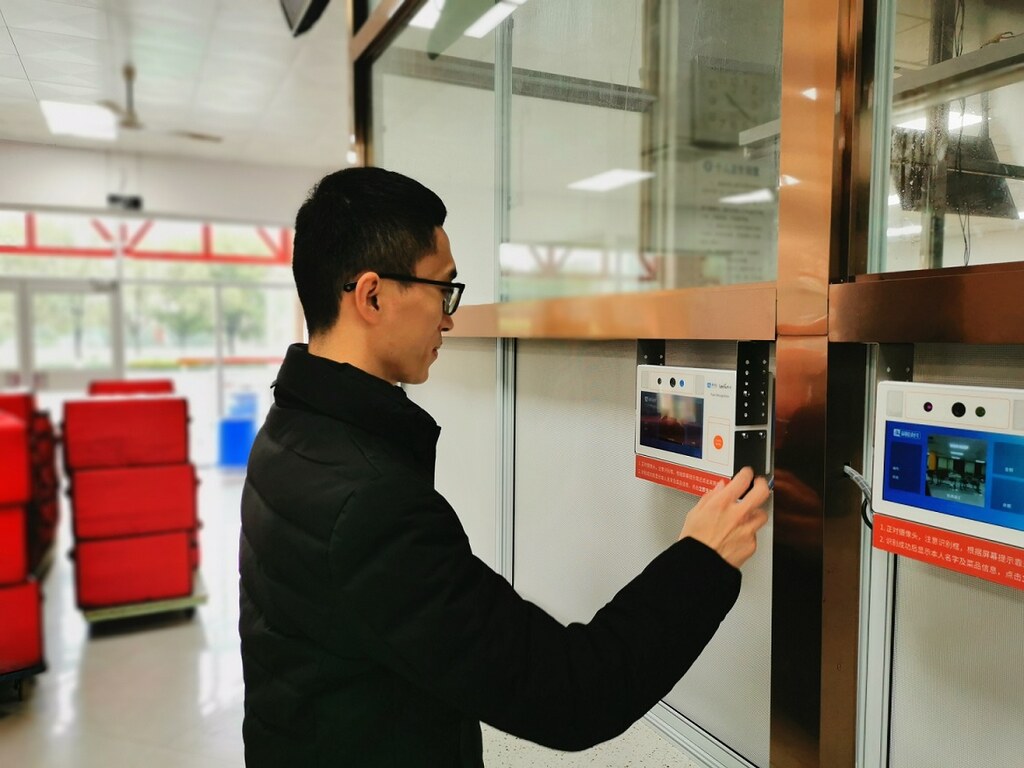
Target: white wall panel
x,y
585,525
36,175
461,395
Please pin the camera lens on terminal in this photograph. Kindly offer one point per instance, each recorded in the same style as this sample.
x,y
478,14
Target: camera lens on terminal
x,y
959,409
659,379
979,411
672,382
928,407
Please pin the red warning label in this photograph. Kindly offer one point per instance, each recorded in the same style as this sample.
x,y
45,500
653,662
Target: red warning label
x,y
685,479
958,552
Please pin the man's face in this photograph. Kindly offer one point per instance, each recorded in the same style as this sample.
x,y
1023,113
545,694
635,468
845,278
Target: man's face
x,y
411,336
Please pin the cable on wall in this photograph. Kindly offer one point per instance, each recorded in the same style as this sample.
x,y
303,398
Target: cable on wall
x,y
865,490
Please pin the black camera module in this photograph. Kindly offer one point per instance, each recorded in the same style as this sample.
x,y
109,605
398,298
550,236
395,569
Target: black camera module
x,y
959,409
928,407
659,379
672,382
979,411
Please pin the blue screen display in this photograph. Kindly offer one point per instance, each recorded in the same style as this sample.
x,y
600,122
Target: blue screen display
x,y
961,472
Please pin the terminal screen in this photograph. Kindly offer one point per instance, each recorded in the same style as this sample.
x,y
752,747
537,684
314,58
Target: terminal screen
x,y
672,423
973,475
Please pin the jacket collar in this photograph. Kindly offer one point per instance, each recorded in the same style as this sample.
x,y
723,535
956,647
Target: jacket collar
x,y
349,394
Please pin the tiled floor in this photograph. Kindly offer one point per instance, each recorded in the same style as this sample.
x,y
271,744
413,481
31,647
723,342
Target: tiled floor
x,y
166,692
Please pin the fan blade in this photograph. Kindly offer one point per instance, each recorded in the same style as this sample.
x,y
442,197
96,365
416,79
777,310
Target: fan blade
x,y
196,136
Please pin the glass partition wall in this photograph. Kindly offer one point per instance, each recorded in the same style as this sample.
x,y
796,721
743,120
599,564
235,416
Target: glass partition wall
x,y
954,190
637,141
645,169
658,168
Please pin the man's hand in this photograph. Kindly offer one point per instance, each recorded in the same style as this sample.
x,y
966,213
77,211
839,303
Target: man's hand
x,y
727,523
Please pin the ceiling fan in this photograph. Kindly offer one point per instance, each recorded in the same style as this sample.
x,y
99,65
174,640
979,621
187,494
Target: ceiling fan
x,y
128,118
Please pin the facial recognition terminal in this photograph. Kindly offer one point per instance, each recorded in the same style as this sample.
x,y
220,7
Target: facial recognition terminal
x,y
695,426
952,458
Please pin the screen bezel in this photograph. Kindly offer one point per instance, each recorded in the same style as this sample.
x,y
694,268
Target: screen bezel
x,y
922,515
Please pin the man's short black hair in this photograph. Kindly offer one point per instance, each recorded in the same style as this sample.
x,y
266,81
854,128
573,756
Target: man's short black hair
x,y
355,220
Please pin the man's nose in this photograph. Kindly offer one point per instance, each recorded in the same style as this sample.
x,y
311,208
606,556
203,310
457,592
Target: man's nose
x,y
447,322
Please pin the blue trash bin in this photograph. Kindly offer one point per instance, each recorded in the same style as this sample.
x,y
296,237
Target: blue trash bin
x,y
236,436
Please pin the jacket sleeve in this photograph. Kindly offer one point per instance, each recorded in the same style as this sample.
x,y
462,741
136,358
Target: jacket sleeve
x,y
407,583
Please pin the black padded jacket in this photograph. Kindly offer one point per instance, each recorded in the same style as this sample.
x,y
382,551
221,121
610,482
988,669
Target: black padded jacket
x,y
372,636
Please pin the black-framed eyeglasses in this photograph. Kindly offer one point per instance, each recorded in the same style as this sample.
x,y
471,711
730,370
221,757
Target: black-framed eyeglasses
x,y
451,293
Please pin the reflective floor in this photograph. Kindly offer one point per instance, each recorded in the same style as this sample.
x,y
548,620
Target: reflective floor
x,y
157,691
166,691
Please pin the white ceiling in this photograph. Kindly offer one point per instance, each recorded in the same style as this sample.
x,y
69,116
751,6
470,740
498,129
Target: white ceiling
x,y
224,67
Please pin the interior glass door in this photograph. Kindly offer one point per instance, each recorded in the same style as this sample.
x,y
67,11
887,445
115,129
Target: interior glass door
x,y
71,333
10,347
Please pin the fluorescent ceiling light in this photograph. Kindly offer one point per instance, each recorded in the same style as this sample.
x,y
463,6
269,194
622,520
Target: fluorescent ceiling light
x,y
913,229
86,120
894,199
958,446
492,18
810,93
428,16
956,122
757,196
613,179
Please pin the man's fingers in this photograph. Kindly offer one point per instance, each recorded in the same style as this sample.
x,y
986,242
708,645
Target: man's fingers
x,y
759,493
740,482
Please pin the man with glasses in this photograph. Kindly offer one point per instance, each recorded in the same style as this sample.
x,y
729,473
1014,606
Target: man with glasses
x,y
371,634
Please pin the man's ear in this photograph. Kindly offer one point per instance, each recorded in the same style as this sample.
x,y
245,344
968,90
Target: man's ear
x,y
365,296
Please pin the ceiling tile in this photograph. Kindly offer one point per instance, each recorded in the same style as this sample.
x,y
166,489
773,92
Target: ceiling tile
x,y
227,105
6,44
244,16
51,47
59,18
193,12
87,3
321,74
205,121
225,67
278,47
170,38
59,72
24,114
166,64
280,126
12,88
255,64
59,92
10,66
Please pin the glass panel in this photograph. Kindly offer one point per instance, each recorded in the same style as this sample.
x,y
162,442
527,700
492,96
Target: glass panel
x,y
956,174
258,326
641,142
169,236
169,333
71,330
12,228
64,245
236,239
151,269
56,266
644,146
8,334
71,231
433,97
